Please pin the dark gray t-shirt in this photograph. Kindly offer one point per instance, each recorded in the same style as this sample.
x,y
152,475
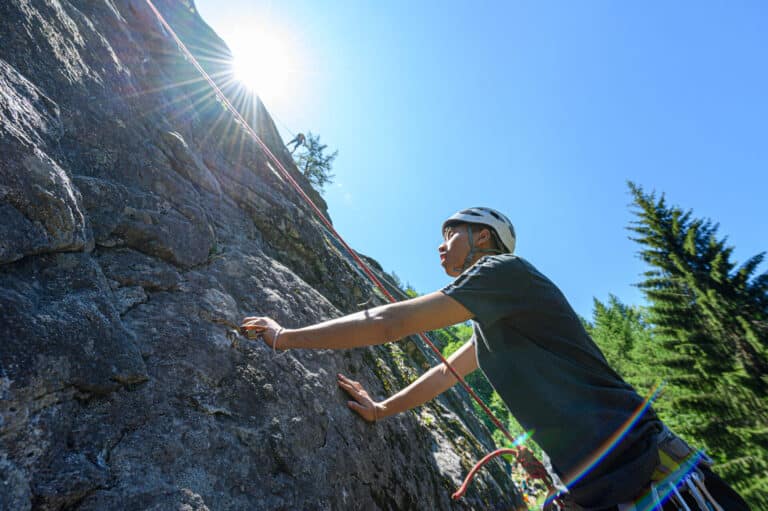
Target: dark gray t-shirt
x,y
534,350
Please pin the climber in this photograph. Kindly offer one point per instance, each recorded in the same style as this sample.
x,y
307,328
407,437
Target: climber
x,y
298,140
532,347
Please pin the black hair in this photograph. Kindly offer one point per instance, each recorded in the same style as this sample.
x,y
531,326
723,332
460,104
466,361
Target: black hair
x,y
496,243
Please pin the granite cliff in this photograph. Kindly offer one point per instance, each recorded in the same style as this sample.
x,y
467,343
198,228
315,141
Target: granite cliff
x,y
136,220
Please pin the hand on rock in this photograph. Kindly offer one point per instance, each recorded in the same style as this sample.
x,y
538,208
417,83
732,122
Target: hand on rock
x,y
366,407
267,329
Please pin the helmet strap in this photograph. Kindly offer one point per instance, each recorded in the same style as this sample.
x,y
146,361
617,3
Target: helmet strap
x,y
471,254
474,250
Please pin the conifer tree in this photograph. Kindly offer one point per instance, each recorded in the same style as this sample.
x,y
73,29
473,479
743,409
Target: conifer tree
x,y
314,163
711,319
625,337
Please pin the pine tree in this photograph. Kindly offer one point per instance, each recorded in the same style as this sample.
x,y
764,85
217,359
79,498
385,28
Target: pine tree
x,y
313,163
625,337
711,319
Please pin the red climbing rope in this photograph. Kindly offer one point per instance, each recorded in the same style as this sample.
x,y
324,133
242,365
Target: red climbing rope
x,y
523,456
225,101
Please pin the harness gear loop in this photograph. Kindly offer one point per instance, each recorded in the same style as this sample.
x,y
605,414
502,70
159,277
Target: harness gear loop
x,y
656,499
699,481
695,493
678,461
247,127
679,497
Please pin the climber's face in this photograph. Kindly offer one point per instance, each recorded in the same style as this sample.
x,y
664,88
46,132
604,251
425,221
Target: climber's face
x,y
454,249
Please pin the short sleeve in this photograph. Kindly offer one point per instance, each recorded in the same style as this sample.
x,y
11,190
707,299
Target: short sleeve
x,y
494,287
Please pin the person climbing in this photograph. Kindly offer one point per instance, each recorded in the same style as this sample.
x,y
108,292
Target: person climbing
x,y
298,140
534,350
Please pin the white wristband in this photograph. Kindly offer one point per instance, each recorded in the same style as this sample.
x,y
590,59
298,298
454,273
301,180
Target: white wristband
x,y
277,336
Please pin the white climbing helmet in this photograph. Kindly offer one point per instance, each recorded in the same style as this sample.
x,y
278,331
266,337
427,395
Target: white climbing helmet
x,y
500,224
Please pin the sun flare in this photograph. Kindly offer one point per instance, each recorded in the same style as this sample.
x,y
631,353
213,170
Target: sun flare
x,y
265,62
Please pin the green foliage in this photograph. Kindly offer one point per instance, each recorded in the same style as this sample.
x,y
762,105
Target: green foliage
x,y
704,333
396,279
625,337
452,338
189,5
405,287
312,161
710,319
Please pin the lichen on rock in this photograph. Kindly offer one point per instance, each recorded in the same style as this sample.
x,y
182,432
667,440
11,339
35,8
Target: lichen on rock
x,y
136,226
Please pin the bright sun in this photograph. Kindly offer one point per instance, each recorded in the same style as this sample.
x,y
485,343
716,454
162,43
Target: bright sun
x,y
265,62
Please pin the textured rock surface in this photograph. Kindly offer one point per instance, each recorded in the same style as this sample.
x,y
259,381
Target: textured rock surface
x,y
135,218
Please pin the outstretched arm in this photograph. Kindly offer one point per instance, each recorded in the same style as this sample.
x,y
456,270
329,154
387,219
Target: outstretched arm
x,y
432,383
365,328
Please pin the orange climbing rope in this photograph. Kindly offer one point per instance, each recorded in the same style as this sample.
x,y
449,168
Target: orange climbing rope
x,y
228,105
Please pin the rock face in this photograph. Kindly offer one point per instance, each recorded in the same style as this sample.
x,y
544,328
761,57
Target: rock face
x,y
136,218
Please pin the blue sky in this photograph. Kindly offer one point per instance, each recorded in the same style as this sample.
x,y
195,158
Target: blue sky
x,y
542,110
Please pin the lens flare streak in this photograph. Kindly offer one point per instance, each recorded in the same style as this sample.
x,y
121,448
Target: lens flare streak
x,y
583,469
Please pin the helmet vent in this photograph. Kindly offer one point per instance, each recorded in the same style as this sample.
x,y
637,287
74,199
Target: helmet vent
x,y
501,227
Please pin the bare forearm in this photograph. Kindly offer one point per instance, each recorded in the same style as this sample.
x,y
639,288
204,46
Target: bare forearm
x,y
431,384
364,328
377,325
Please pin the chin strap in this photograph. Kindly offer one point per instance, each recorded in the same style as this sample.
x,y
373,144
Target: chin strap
x,y
285,175
474,250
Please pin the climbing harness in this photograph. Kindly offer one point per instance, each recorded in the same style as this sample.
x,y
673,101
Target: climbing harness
x,y
698,480
670,446
677,480
678,470
298,140
676,455
221,97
